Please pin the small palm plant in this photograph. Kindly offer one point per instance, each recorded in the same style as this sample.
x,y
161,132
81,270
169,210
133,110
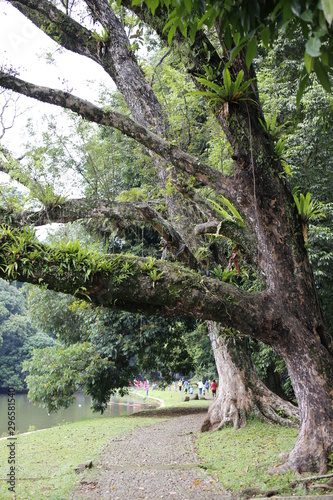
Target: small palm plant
x,y
231,214
230,92
307,209
270,126
46,195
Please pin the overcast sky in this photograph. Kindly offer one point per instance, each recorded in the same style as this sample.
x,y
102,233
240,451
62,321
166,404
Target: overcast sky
x,y
24,46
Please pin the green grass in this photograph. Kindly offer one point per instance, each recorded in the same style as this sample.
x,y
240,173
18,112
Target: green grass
x,y
173,398
240,459
46,460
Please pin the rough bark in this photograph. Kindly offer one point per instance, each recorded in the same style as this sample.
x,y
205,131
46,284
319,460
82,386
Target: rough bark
x,y
287,316
311,371
240,389
121,215
125,282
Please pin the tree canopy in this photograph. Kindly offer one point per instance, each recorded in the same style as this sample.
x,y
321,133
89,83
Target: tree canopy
x,y
247,24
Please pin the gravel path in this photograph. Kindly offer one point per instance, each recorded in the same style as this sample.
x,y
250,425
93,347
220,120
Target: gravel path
x,y
155,462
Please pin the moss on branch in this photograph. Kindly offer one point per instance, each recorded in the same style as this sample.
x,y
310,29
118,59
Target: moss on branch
x,y
125,281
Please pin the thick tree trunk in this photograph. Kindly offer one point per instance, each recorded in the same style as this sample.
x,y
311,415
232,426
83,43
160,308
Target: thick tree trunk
x,y
240,389
310,367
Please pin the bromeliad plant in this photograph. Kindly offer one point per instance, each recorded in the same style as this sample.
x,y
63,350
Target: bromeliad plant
x,y
229,214
270,126
47,196
230,92
307,209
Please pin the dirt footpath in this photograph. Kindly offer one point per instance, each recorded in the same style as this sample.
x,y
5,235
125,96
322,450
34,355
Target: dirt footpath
x,y
152,463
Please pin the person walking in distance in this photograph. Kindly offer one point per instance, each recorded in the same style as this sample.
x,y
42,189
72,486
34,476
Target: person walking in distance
x,y
213,387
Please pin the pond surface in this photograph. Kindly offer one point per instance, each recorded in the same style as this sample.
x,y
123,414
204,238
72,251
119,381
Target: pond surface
x,y
28,415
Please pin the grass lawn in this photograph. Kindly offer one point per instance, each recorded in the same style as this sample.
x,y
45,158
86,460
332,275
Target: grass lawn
x,y
240,459
173,398
45,460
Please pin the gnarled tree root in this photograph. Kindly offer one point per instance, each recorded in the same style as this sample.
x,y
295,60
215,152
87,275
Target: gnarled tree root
x,y
266,406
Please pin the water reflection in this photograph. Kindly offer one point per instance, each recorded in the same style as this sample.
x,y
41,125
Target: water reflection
x,y
29,416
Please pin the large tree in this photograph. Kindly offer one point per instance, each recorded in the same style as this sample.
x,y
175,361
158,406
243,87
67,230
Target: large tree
x,y
285,313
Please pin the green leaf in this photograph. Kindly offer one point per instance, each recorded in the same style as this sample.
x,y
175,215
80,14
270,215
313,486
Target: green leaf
x,y
328,10
183,29
210,84
227,79
286,168
322,75
205,17
153,4
308,62
235,51
251,51
325,57
273,122
301,203
303,82
266,36
223,213
188,5
203,93
295,8
171,22
279,147
307,200
227,38
193,31
171,33
287,11
307,16
239,80
313,47
233,210
236,37
322,20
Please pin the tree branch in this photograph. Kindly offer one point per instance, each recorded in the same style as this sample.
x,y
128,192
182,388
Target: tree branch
x,y
181,160
173,240
128,282
117,61
122,215
58,26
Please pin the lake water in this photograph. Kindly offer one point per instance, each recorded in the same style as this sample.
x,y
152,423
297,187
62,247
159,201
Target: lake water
x,y
28,415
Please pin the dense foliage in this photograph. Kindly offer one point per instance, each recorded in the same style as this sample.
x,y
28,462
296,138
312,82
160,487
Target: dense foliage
x,y
245,24
18,336
100,350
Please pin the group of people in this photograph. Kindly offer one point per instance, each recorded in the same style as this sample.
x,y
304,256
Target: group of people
x,y
181,386
203,387
138,384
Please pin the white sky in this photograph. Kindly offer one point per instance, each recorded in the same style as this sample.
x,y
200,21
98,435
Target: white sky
x,y
23,46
